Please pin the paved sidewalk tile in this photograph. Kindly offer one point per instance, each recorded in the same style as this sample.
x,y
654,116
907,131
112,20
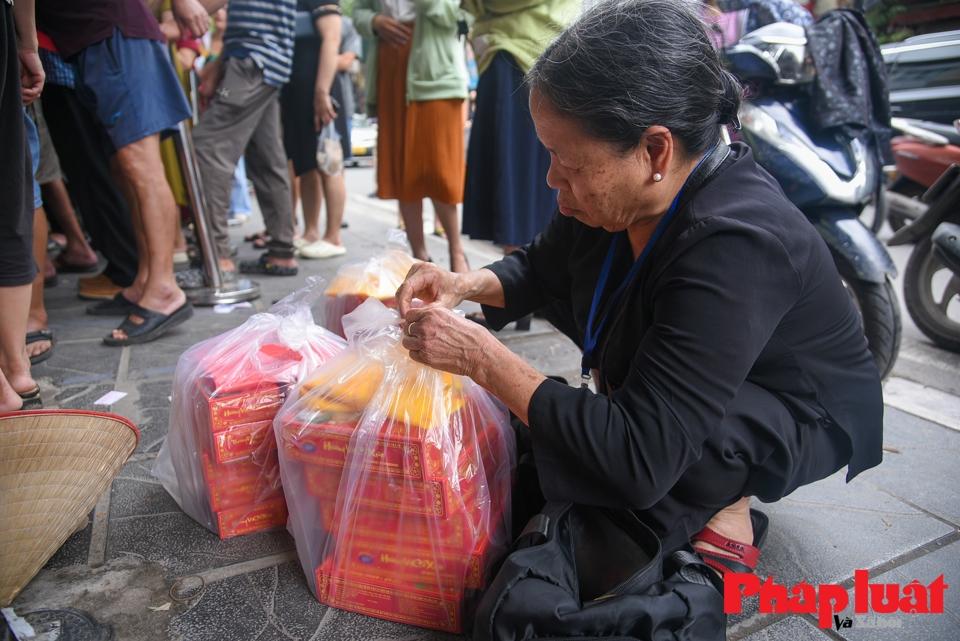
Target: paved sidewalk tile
x,y
899,626
921,465
788,629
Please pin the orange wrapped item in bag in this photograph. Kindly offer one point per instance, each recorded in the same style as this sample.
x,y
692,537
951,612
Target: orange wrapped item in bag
x,y
397,478
219,460
378,278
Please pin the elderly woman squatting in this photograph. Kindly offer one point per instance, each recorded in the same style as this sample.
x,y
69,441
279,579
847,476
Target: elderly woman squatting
x,y
729,360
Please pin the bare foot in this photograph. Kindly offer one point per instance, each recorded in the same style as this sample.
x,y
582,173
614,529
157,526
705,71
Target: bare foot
x,y
165,303
282,262
35,322
22,383
732,522
133,293
10,401
227,265
77,256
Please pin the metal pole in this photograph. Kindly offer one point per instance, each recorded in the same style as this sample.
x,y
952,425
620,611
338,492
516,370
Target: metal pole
x,y
216,288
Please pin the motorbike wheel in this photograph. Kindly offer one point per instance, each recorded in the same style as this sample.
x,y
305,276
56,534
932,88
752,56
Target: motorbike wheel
x,y
905,187
932,315
880,315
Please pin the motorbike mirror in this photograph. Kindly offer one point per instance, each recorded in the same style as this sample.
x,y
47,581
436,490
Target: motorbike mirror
x,y
749,63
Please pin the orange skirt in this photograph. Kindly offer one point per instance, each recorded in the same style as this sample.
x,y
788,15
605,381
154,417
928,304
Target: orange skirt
x,y
420,146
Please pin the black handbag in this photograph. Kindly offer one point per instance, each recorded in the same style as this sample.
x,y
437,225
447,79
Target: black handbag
x,y
580,572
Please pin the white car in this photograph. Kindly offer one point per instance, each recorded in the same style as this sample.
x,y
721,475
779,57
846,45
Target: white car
x,y
363,138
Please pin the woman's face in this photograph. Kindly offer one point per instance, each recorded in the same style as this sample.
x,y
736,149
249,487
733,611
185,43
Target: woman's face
x,y
597,184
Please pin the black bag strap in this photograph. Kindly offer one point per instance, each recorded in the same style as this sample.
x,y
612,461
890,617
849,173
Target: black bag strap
x,y
692,569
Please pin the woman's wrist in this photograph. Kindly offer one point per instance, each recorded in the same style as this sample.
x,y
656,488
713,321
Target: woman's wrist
x,y
480,286
507,377
489,361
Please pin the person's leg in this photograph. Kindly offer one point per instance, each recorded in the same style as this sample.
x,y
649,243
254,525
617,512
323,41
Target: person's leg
x,y
447,214
412,214
77,255
141,166
10,401
14,308
17,267
311,199
78,252
335,192
240,206
760,449
37,317
224,131
84,151
294,195
134,291
267,168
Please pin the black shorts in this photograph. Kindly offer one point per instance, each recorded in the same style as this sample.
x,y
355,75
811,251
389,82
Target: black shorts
x,y
296,108
17,266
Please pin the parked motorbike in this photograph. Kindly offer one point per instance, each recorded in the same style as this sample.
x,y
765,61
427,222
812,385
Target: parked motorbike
x,y
931,282
829,177
922,154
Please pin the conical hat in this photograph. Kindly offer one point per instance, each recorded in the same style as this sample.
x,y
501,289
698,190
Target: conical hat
x,y
54,465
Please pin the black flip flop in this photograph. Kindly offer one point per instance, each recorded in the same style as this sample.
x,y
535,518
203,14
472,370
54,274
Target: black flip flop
x,y
260,235
264,267
154,325
760,523
119,305
31,399
37,336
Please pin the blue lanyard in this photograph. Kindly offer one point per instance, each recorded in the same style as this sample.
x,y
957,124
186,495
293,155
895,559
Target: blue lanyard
x,y
592,334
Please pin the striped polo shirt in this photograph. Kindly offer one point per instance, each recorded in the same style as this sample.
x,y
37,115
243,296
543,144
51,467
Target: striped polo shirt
x,y
262,30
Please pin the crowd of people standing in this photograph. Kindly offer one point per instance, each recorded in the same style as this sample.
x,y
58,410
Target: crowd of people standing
x,y
275,105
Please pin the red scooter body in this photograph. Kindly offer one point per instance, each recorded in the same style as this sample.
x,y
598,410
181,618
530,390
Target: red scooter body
x,y
922,154
923,162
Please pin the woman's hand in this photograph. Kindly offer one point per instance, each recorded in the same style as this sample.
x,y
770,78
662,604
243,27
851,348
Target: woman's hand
x,y
31,76
210,77
438,337
323,109
391,31
191,16
431,284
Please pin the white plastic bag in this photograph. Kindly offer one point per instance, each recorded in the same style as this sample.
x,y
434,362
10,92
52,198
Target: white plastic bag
x,y
398,480
219,459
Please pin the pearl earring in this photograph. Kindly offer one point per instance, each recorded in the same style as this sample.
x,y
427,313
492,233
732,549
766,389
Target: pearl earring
x,y
657,177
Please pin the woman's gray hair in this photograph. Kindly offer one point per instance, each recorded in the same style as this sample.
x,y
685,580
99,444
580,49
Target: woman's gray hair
x,y
626,65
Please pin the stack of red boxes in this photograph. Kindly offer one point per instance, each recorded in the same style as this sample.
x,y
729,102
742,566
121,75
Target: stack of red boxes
x,y
238,451
228,471
413,514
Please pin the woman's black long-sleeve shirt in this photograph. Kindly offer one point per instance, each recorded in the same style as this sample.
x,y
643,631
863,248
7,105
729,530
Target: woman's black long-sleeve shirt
x,y
740,288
